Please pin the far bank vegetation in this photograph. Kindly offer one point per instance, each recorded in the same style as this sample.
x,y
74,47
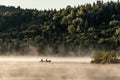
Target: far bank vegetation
x,y
104,57
70,29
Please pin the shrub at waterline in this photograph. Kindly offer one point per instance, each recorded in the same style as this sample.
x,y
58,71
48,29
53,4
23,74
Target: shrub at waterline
x,y
105,57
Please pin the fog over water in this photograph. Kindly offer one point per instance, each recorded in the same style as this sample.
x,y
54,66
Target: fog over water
x,y
34,70
60,68
53,59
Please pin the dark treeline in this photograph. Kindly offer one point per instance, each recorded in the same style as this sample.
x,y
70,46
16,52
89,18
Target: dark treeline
x,y
94,25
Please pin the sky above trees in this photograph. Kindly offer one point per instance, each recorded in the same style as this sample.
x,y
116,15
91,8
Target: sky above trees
x,y
45,4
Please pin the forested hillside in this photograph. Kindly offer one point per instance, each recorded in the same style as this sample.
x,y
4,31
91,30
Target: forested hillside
x,y
86,26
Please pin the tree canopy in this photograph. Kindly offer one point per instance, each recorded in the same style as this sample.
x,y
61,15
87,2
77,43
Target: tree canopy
x,y
94,25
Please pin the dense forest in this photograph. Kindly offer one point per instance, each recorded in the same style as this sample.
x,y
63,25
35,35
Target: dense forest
x,y
86,26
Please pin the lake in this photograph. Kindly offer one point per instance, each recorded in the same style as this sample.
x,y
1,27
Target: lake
x,y
70,68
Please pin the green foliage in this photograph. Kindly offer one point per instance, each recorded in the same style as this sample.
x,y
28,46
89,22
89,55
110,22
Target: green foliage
x,y
104,57
96,25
